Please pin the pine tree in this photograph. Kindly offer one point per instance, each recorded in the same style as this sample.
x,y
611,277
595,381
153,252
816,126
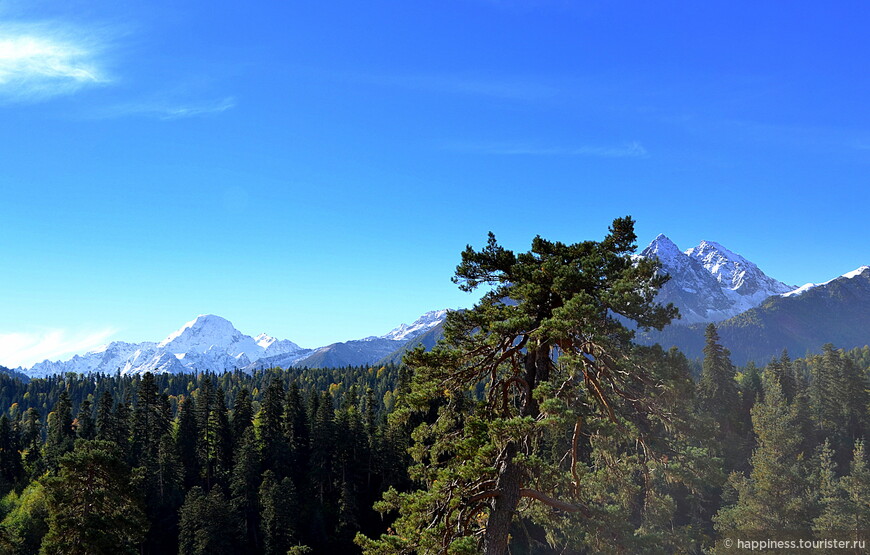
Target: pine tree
x,y
92,509
480,462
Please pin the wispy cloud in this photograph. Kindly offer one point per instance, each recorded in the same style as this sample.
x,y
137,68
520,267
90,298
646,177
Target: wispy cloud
x,y
26,349
43,60
629,150
169,110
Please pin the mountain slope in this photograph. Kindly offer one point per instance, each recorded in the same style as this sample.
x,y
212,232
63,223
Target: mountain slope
x,y
375,350
835,312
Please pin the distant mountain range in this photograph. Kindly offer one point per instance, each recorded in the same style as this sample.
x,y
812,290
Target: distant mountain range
x,y
212,343
757,316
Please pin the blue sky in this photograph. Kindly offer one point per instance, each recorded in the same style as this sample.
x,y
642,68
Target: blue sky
x,y
313,169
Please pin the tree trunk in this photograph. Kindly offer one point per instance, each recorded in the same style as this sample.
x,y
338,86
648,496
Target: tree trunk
x,y
510,474
499,523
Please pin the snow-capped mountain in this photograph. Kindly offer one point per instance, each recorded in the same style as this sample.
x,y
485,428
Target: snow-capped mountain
x,y
710,283
420,326
212,343
208,342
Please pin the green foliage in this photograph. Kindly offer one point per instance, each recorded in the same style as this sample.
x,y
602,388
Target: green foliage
x,y
208,526
24,521
92,508
536,401
776,494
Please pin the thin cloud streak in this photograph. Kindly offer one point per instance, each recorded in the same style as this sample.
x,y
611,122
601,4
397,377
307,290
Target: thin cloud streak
x,y
630,150
26,349
169,110
41,60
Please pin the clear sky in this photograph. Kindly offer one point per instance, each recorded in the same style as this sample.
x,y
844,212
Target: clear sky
x,y
313,169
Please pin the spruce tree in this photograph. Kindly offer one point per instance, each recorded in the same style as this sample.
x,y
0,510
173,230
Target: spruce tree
x,y
60,436
776,494
279,514
85,425
187,440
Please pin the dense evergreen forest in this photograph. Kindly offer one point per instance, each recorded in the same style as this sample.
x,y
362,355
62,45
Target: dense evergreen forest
x,y
279,459
535,427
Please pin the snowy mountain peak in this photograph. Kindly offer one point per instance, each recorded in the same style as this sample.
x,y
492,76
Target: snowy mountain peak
x,y
420,326
735,272
662,248
264,340
709,282
200,330
713,250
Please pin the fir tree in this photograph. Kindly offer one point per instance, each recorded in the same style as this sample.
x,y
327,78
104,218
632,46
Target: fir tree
x,y
857,488
279,512
244,485
85,425
186,441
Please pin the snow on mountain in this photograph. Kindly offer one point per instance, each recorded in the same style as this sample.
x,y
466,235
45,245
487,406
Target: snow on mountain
x,y
709,282
420,326
736,273
212,343
208,342
806,287
117,355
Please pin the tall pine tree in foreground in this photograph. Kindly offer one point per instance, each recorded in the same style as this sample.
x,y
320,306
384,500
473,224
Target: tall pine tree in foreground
x,y
547,355
92,509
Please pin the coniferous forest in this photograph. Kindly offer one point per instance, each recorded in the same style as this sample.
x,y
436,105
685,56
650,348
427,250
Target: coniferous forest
x,y
536,426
